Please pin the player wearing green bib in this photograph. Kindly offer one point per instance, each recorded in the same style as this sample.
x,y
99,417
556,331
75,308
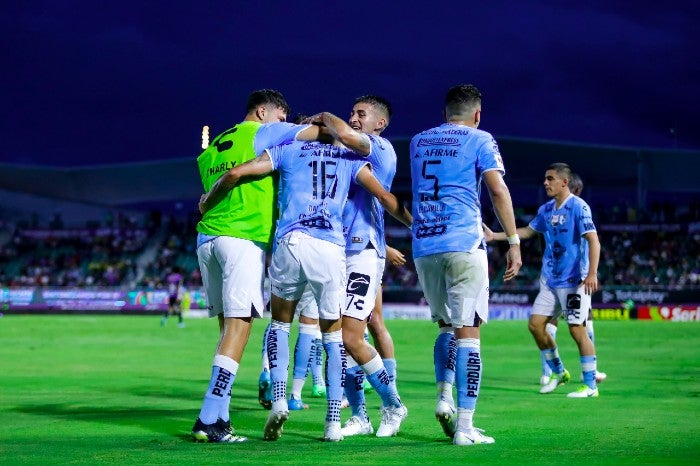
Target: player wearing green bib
x,y
231,244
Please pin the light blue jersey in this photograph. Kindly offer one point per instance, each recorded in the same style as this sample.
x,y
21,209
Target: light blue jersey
x,y
272,134
363,216
447,165
314,183
565,261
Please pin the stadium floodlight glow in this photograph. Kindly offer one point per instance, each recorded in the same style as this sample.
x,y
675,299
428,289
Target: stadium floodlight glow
x,y
205,137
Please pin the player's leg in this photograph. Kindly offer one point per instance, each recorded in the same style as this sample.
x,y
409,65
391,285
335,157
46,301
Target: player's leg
x,y
431,274
544,309
302,354
264,382
365,270
234,292
318,388
444,360
466,280
551,329
178,312
578,304
325,270
382,338
599,376
287,282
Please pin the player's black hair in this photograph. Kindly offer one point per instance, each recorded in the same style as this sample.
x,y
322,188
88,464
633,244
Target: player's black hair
x,y
562,169
380,103
462,99
266,96
575,184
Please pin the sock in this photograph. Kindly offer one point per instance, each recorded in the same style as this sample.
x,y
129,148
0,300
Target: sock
x,y
553,360
219,391
278,358
297,386
301,354
465,419
588,367
316,358
552,330
335,373
265,361
354,390
379,379
589,330
444,356
390,365
468,372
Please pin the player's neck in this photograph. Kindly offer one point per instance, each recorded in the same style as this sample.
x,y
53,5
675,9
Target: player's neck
x,y
560,198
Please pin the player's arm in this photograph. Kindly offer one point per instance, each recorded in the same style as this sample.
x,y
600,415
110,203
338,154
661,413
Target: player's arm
x,y
503,206
367,180
590,283
260,165
343,133
523,233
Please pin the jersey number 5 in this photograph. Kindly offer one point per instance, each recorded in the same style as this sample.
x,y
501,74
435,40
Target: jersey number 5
x,y
428,176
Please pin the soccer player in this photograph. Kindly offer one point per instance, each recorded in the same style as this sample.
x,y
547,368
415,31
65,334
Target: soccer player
x,y
576,188
569,277
233,236
363,223
174,283
448,164
310,248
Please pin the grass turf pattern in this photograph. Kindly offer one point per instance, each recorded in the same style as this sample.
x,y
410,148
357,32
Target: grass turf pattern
x,y
123,390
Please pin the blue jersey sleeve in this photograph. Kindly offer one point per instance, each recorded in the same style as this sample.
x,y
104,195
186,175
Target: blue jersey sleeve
x,y
272,134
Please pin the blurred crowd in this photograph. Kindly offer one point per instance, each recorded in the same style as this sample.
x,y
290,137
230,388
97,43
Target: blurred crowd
x,y
128,252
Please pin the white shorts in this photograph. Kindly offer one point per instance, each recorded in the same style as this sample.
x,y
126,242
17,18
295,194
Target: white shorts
x,y
365,269
233,272
300,259
573,302
307,306
456,286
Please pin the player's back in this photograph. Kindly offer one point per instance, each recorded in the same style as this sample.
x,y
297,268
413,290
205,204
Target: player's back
x,y
313,187
248,210
447,163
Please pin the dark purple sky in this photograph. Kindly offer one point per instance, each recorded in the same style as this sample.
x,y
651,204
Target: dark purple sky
x,y
83,83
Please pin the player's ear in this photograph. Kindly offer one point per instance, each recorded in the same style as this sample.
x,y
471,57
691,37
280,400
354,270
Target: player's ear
x,y
260,112
477,118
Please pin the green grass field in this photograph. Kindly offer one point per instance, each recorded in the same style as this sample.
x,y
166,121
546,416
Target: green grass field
x,y
123,390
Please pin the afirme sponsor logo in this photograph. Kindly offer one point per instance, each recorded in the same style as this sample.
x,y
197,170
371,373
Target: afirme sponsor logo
x,y
611,314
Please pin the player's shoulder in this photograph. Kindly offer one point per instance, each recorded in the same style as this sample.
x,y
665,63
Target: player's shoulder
x,y
547,206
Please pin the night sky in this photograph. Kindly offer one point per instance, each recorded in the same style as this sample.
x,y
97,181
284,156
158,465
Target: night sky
x,y
84,83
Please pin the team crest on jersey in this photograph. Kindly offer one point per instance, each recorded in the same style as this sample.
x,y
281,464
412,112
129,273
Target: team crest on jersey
x,y
558,219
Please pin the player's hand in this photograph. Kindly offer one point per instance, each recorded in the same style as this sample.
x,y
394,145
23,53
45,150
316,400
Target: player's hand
x,y
590,283
314,120
513,262
394,256
488,233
